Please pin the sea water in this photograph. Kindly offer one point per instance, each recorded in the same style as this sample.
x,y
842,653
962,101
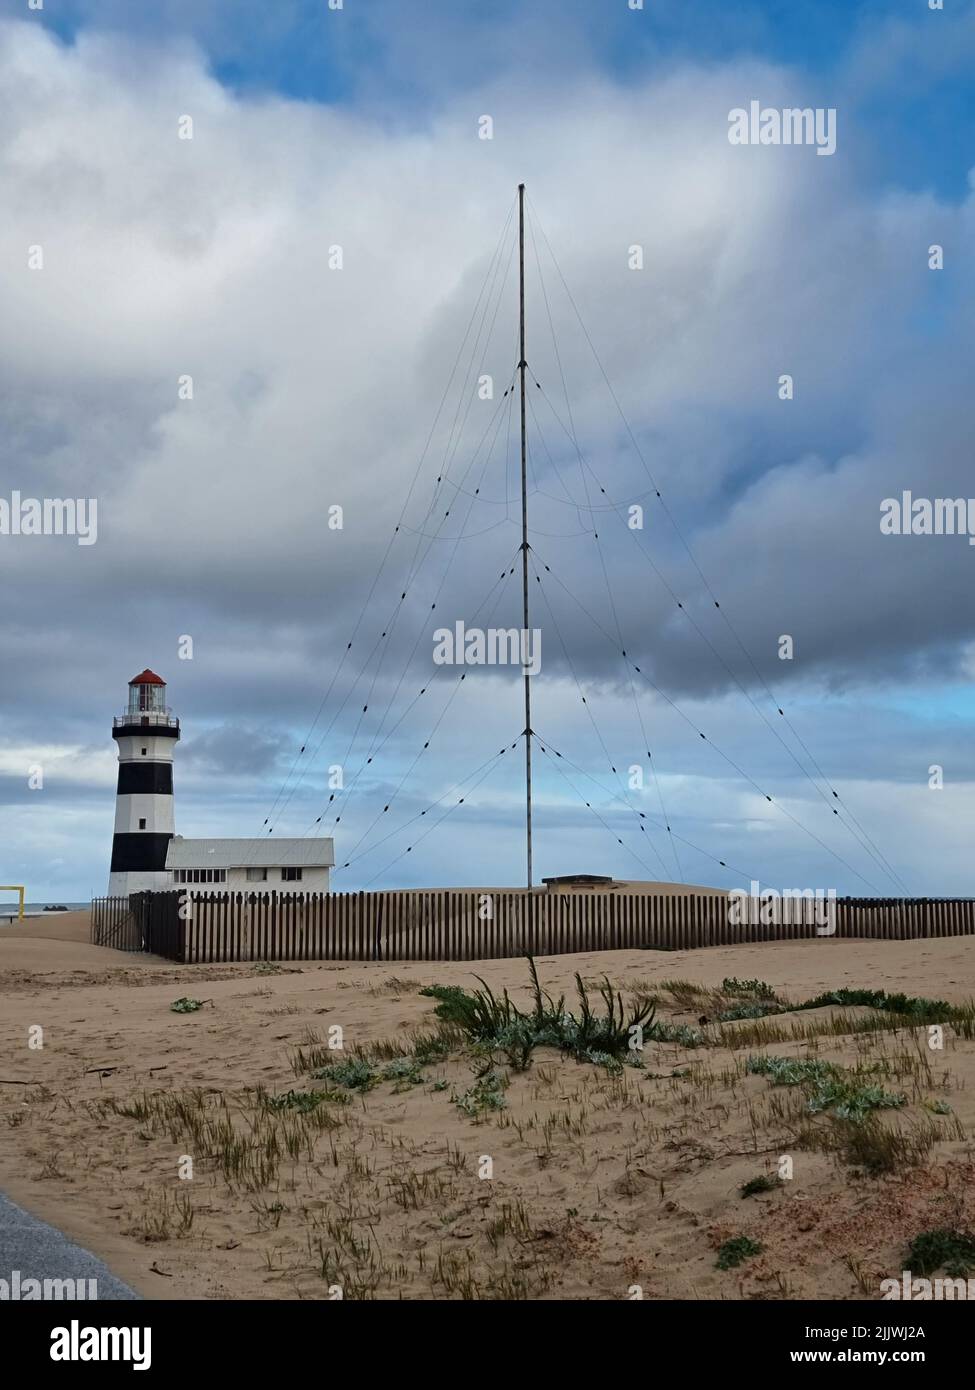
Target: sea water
x,y
9,910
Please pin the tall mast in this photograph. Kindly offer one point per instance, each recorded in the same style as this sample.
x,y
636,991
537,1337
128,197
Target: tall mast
x,y
524,535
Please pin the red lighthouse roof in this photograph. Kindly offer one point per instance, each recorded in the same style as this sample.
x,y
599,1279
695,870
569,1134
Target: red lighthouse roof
x,y
147,677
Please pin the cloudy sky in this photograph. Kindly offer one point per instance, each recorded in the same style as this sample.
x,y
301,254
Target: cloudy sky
x,y
317,385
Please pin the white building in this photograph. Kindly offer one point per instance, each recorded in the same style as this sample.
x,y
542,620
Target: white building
x,y
147,855
262,866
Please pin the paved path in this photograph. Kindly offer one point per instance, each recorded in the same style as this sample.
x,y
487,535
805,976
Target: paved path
x,y
39,1251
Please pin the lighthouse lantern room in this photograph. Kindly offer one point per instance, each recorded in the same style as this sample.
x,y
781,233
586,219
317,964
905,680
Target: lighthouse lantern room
x,y
146,734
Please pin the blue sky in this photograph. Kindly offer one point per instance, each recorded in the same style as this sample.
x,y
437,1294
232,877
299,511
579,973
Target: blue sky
x,y
916,107
358,126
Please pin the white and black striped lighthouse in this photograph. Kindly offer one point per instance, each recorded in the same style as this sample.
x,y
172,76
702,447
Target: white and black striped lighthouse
x,y
146,734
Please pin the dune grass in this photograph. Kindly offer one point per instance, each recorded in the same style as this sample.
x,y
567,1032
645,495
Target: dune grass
x,y
495,1024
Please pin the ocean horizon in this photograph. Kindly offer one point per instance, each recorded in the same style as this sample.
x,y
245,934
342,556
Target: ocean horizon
x,y
11,910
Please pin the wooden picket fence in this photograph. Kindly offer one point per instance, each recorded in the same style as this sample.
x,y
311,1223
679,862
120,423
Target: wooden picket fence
x,y
407,926
113,923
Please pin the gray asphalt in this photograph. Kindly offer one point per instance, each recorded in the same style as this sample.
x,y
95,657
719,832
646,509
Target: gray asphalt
x,y
40,1251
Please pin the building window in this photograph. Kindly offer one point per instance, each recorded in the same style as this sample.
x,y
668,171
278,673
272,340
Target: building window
x,y
199,875
290,875
142,822
144,751
257,875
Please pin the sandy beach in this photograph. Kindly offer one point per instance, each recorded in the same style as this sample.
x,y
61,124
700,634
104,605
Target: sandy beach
x,y
600,1182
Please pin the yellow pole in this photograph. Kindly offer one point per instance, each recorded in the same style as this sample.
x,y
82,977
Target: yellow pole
x,y
17,888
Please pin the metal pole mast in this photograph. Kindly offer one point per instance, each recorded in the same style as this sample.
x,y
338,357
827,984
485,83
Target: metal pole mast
x,y
524,535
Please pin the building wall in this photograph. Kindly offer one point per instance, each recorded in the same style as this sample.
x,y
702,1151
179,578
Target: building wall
x,y
122,883
314,880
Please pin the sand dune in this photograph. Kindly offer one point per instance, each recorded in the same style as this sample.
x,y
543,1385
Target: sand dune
x,y
600,1182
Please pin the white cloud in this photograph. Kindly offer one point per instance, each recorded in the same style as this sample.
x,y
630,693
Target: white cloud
x,y
314,386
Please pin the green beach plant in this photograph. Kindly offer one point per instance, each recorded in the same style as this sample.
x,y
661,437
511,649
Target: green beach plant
x,y
952,1251
845,1095
747,989
185,1006
766,1182
491,1024
735,1251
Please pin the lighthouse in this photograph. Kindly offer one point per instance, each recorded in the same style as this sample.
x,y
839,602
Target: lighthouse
x,y
146,734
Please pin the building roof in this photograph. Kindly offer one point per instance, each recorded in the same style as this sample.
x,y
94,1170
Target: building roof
x,y
147,677
265,853
579,878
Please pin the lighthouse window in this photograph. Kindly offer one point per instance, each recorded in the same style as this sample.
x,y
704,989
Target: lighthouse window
x,y
144,751
142,822
290,875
